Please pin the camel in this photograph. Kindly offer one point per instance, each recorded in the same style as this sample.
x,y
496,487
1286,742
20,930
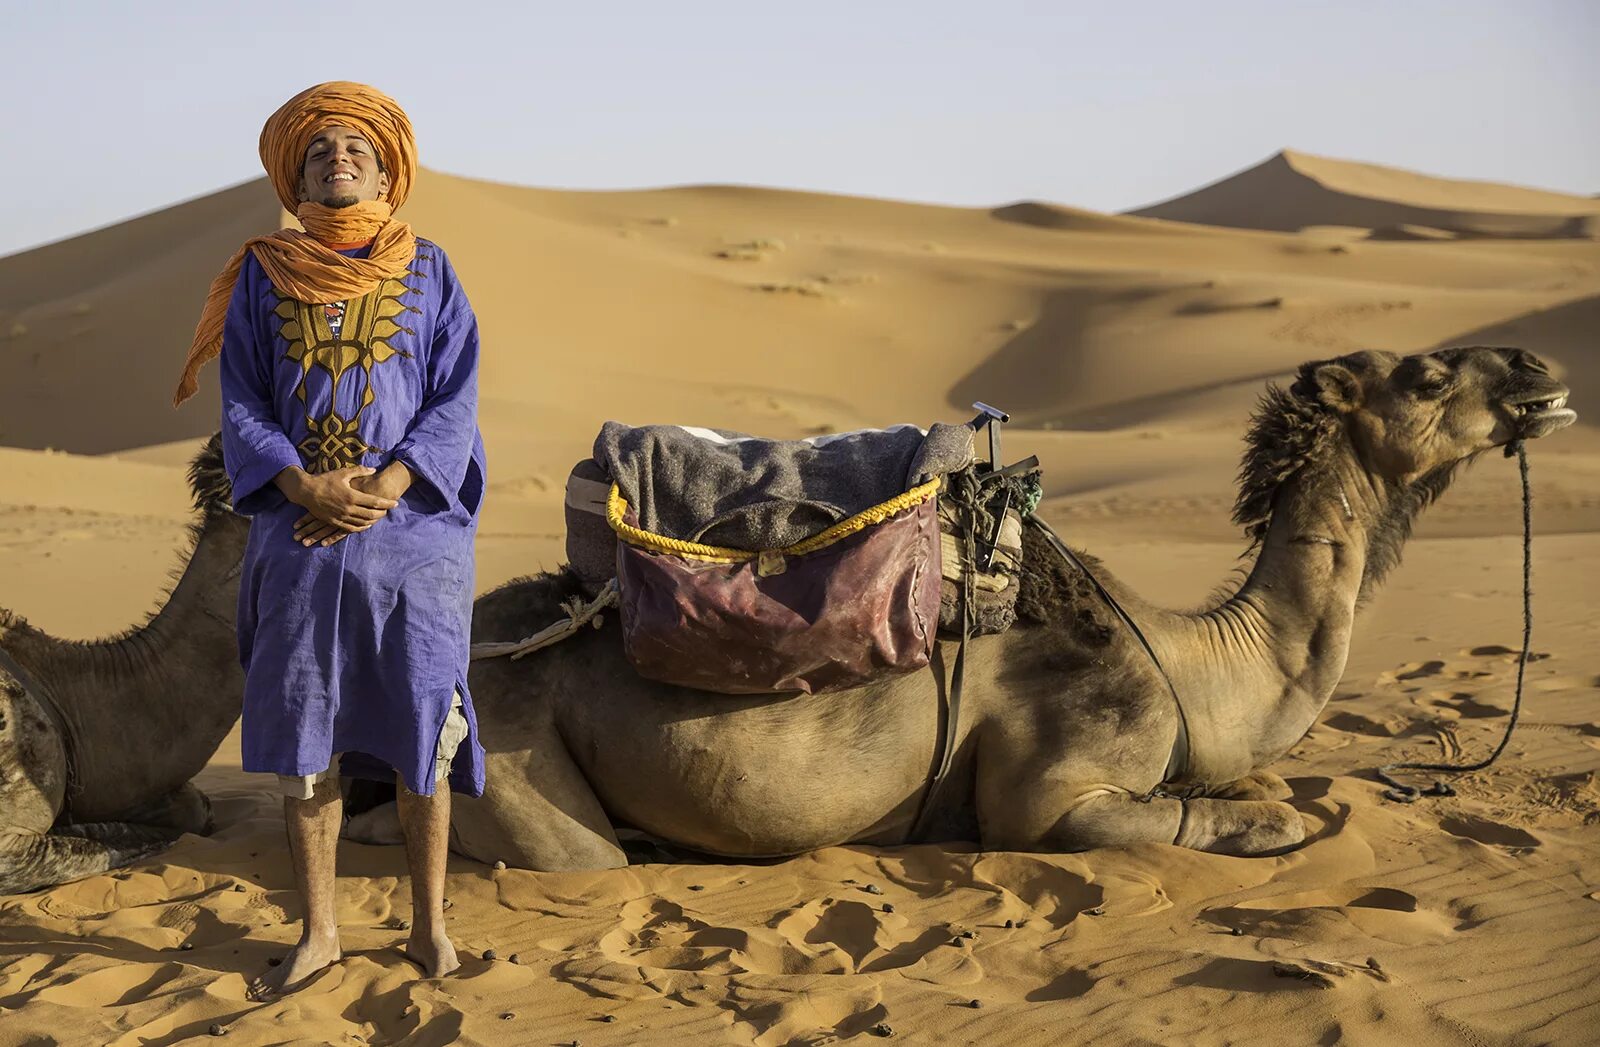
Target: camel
x,y
1068,734
1068,737
98,740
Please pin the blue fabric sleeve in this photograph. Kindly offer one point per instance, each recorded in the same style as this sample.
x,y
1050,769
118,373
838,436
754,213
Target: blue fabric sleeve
x,y
441,446
254,446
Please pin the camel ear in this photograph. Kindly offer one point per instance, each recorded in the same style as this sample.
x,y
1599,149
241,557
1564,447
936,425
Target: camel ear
x,y
1336,386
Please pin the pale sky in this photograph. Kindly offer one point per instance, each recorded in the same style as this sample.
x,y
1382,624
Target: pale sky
x,y
115,109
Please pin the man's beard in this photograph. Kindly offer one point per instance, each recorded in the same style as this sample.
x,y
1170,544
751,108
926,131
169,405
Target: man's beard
x,y
342,201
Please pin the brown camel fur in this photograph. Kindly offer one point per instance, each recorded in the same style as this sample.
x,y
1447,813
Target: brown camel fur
x,y
1065,727
142,714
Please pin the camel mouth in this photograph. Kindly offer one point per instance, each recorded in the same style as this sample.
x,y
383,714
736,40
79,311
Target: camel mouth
x,y
1539,416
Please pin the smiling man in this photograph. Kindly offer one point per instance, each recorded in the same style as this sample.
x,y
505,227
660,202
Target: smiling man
x,y
349,423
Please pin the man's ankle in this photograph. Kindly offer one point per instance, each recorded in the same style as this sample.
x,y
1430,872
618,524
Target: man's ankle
x,y
319,935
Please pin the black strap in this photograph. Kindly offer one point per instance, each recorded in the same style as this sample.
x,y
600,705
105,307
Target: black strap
x,y
1178,762
1399,791
950,712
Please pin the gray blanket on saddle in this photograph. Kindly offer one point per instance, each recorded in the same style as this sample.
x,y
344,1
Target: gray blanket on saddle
x,y
743,492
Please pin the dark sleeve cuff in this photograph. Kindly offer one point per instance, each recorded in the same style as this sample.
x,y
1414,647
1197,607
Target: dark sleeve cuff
x,y
253,489
424,482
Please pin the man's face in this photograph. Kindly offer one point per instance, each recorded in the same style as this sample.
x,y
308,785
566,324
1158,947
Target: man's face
x,y
341,168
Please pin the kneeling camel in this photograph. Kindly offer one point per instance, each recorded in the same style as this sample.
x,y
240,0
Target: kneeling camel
x,y
98,740
1067,728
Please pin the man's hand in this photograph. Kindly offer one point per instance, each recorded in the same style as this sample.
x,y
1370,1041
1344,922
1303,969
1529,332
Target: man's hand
x,y
392,482
340,502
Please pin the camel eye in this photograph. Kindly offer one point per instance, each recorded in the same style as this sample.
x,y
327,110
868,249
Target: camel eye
x,y
1431,387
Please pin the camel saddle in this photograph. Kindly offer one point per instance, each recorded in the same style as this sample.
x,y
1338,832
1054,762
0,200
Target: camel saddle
x,y
746,565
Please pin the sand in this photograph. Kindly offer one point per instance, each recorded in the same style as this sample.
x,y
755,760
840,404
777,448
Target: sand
x,y
1130,350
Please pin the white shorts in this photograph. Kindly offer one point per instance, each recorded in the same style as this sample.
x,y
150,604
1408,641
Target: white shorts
x,y
302,786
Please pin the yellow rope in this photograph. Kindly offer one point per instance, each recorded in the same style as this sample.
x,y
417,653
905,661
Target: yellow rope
x,y
866,518
617,509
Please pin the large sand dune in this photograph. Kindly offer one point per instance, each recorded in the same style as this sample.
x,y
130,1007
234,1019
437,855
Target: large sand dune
x,y
1292,191
1130,349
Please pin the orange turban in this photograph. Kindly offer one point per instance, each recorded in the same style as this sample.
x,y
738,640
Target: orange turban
x,y
378,118
301,265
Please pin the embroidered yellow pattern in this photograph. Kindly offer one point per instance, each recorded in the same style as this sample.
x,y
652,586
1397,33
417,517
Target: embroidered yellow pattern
x,y
362,343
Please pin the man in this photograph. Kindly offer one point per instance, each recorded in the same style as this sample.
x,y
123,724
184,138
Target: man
x,y
349,422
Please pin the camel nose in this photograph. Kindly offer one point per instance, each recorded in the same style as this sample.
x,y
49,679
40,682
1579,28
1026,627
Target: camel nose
x,y
1524,361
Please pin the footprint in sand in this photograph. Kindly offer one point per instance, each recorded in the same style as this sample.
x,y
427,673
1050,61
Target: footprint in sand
x,y
1325,915
1511,654
179,917
1462,704
780,1018
655,933
1411,671
1492,833
859,937
1437,667
1358,723
1068,985
1260,976
1042,887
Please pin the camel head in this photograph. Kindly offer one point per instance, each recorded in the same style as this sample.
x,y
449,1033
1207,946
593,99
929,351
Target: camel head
x,y
1411,416
1408,422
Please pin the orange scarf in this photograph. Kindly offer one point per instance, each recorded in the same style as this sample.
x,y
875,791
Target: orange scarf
x,y
301,265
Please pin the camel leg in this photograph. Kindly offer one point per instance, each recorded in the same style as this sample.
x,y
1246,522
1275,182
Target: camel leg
x,y
1245,828
537,812
186,809
30,861
1259,785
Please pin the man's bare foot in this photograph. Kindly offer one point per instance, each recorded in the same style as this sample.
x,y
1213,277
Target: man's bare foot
x,y
309,956
432,952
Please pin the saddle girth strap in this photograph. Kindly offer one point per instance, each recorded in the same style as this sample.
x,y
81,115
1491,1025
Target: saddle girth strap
x,y
1178,762
950,717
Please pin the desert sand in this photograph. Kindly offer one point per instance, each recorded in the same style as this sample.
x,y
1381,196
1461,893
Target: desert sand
x,y
1130,350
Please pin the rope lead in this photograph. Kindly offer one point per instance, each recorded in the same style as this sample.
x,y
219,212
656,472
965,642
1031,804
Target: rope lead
x,y
1399,791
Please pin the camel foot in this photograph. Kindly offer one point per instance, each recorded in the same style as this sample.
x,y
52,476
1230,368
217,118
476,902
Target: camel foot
x,y
1244,828
309,956
432,951
1259,785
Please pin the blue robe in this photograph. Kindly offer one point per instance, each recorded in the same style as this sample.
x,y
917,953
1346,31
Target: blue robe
x,y
356,648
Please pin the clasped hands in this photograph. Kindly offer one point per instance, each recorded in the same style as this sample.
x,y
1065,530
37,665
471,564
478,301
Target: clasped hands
x,y
341,502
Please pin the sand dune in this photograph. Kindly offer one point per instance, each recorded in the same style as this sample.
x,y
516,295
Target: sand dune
x,y
1131,349
84,322
1292,190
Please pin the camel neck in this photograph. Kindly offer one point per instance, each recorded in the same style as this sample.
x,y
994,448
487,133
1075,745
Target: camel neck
x,y
175,678
1255,671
